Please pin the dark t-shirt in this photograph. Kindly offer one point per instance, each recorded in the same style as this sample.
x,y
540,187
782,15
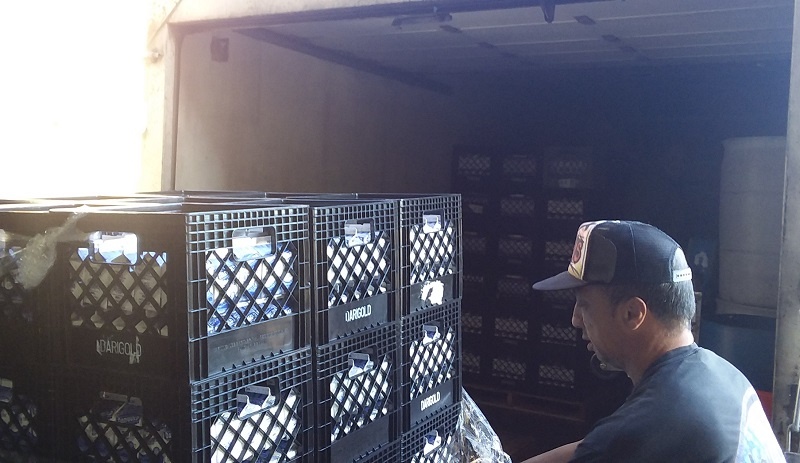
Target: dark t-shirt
x,y
690,406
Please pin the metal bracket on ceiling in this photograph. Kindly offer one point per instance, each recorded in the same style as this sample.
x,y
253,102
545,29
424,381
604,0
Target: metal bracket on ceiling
x,y
549,10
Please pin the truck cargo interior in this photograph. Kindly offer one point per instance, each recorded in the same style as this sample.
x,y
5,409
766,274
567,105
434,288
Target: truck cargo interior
x,y
385,98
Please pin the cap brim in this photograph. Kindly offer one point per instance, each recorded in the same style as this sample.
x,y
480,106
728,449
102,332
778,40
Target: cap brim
x,y
563,280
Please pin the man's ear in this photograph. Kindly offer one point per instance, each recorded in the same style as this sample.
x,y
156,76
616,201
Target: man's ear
x,y
634,312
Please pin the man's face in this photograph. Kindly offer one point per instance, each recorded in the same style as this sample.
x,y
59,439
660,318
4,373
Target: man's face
x,y
598,319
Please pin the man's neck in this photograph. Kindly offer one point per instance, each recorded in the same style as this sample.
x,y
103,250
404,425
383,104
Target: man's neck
x,y
654,349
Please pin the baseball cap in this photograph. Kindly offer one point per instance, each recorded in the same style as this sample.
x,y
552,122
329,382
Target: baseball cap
x,y
616,251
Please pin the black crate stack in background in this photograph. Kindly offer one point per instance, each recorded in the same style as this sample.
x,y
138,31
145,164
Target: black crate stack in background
x,y
521,214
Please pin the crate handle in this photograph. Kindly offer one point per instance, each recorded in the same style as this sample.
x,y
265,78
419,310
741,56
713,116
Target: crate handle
x,y
359,364
120,248
109,404
430,333
358,232
6,390
431,442
253,400
253,243
432,221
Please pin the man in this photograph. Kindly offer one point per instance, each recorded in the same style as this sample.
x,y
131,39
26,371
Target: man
x,y
634,303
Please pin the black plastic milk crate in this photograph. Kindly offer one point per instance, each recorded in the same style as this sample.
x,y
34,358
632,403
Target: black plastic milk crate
x,y
262,412
430,251
514,323
555,328
570,167
557,254
478,251
185,291
517,289
28,412
562,301
478,209
518,212
428,241
473,358
473,169
430,341
354,265
27,334
479,285
510,366
562,371
435,440
358,383
521,173
518,252
473,312
389,453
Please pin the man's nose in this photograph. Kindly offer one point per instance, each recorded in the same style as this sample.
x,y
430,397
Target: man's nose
x,y
577,317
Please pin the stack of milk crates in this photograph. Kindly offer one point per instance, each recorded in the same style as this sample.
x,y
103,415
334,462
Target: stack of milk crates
x,y
572,193
522,210
502,248
430,337
178,330
475,179
387,335
355,326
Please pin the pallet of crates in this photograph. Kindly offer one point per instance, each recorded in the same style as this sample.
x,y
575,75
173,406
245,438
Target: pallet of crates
x,y
355,327
186,325
431,369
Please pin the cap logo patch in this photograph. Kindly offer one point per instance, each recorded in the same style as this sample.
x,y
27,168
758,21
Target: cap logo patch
x,y
578,260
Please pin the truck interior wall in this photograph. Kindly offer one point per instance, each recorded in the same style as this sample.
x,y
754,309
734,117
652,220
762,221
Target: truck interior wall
x,y
274,119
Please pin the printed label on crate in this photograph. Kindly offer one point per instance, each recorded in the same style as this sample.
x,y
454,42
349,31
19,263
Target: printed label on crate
x,y
432,401
121,347
122,351
358,315
251,342
430,293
